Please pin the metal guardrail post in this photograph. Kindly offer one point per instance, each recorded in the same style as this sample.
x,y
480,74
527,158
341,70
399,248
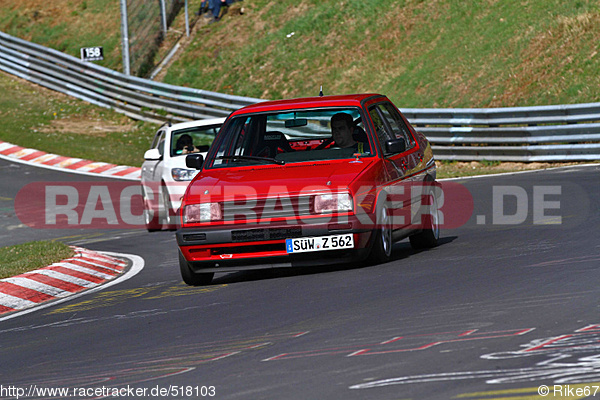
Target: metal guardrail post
x,y
187,20
163,14
125,38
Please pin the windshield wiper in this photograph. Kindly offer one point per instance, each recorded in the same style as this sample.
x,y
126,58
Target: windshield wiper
x,y
251,158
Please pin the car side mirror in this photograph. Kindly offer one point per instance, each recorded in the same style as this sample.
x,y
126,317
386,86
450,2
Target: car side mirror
x,y
395,146
194,161
152,155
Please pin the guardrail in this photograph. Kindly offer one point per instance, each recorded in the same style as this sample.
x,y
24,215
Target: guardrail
x,y
136,97
525,134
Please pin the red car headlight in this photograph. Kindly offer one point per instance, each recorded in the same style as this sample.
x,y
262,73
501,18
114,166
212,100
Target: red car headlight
x,y
203,212
335,202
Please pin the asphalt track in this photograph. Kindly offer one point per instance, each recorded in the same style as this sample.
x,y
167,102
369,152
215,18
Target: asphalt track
x,y
508,302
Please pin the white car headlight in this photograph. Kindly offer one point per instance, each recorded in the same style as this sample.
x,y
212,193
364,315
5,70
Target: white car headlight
x,y
182,174
336,202
203,212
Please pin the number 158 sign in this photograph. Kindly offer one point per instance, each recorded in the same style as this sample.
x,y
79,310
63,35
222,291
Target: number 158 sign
x,y
92,53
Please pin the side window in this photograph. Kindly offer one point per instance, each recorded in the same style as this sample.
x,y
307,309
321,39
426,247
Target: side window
x,y
396,123
381,130
159,142
161,145
157,139
235,140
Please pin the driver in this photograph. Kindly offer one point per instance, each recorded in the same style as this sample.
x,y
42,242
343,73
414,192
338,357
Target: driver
x,y
342,128
185,145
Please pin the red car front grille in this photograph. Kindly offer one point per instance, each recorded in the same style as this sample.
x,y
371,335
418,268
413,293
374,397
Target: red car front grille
x,y
249,235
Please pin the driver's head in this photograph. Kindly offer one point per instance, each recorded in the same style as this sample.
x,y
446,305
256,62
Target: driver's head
x,y
342,127
184,141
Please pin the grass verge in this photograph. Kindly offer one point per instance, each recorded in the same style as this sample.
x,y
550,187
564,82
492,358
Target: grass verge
x,y
30,256
438,53
39,118
456,169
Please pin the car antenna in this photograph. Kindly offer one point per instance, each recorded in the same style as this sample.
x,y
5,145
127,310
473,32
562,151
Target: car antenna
x,y
321,91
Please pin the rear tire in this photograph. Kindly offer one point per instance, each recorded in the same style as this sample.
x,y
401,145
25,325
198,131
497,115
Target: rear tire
x,y
430,234
193,278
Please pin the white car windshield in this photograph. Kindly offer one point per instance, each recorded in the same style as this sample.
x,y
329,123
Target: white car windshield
x,y
192,140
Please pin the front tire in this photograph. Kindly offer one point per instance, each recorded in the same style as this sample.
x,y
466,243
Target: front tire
x,y
193,278
381,252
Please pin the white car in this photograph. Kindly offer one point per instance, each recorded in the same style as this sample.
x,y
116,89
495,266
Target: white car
x,y
164,173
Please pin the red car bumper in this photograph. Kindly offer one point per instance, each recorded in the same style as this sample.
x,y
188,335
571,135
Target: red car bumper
x,y
260,246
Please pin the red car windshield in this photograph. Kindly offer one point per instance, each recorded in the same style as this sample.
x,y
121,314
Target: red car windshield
x,y
291,136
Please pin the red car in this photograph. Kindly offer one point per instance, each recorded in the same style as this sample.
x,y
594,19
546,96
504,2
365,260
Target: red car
x,y
308,181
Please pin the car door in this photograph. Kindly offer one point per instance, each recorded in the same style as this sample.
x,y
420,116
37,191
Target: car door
x,y
151,168
391,127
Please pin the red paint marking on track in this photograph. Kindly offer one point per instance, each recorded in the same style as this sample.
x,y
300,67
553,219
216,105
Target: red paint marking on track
x,y
554,340
464,336
256,346
525,331
102,168
392,340
84,264
120,266
24,293
4,309
87,268
276,357
79,164
510,332
94,256
589,328
457,333
56,160
33,155
76,274
57,283
223,356
127,171
12,150
359,352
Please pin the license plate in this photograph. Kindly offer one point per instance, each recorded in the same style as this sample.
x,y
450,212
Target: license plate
x,y
319,243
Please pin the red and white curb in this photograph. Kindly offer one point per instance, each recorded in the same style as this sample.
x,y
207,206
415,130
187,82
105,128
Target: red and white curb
x,y
39,158
86,271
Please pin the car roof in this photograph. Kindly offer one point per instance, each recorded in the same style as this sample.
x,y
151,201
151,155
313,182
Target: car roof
x,y
199,122
308,102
